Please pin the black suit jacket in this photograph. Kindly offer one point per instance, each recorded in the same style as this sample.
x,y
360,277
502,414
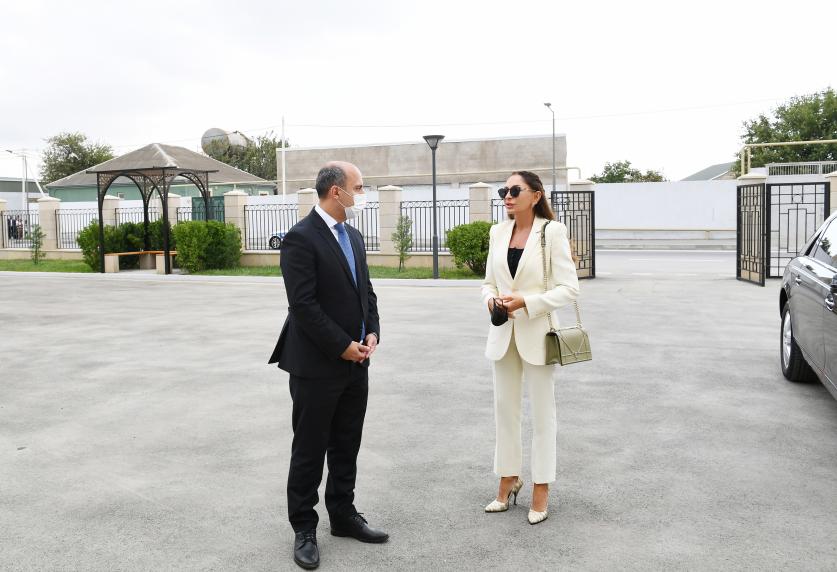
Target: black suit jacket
x,y
326,310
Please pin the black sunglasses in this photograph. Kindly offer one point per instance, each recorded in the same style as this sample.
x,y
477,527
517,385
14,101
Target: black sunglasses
x,y
513,191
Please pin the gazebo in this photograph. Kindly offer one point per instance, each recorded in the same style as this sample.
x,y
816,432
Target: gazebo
x,y
154,168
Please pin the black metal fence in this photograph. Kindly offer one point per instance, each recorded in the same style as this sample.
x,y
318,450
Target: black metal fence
x,y
368,225
135,214
796,211
576,209
451,214
751,233
498,210
265,225
70,222
16,228
216,212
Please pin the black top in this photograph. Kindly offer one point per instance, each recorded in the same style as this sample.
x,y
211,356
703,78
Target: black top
x,y
513,256
326,309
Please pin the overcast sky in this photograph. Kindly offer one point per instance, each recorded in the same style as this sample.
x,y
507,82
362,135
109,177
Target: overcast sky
x,y
665,85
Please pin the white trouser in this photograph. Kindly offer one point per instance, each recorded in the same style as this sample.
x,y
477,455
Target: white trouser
x,y
509,373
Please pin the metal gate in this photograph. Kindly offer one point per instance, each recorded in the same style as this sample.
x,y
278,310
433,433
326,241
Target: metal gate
x,y
576,209
751,235
797,210
774,222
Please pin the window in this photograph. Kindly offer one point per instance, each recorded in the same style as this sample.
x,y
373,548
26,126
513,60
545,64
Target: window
x,y
827,248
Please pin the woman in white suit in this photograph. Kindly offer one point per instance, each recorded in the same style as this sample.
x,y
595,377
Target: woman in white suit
x,y
514,280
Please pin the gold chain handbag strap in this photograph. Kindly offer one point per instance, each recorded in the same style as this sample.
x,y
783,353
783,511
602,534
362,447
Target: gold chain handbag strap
x,y
545,286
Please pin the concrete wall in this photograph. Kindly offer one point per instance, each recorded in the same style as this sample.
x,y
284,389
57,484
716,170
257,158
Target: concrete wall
x,y
675,214
457,162
668,205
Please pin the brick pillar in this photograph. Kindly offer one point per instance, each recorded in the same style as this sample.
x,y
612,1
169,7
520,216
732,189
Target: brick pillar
x,y
234,203
109,206
47,220
306,199
174,204
389,209
479,199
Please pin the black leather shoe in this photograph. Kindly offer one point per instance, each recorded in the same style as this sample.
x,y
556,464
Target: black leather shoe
x,y
356,527
306,553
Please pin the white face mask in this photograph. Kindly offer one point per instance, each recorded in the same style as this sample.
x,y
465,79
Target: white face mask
x,y
354,210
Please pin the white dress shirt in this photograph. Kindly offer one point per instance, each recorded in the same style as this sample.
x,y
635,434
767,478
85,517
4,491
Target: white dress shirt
x,y
329,220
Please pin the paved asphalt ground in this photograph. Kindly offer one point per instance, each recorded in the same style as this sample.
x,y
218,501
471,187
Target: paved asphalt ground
x,y
141,429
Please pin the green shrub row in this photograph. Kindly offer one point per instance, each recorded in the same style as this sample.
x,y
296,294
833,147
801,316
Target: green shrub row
x,y
207,245
468,243
127,237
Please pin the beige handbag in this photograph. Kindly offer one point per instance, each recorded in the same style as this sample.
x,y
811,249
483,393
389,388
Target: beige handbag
x,y
564,345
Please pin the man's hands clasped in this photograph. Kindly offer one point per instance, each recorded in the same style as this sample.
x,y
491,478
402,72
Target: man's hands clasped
x,y
358,352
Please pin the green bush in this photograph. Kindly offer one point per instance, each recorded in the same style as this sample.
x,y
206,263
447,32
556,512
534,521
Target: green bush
x,y
88,241
155,236
468,244
127,237
135,236
207,245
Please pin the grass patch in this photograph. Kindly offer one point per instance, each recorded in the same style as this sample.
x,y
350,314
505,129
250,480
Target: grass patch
x,y
44,266
374,271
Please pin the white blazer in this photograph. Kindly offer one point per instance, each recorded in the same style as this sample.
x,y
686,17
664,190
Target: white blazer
x,y
530,325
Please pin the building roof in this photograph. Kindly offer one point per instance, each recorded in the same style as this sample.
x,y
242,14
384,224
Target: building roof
x,y
712,172
159,156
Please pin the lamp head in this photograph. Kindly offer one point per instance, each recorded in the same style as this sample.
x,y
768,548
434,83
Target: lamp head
x,y
433,140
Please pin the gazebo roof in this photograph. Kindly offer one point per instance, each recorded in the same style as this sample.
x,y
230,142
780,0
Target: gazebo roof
x,y
156,157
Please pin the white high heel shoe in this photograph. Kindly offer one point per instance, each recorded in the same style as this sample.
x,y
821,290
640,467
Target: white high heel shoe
x,y
535,517
497,506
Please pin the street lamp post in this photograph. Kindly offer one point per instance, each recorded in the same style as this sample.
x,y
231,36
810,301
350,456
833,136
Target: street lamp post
x,y
23,194
433,143
549,107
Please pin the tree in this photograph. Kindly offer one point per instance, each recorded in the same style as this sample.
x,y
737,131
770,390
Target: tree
x,y
258,158
36,237
69,153
403,239
804,118
622,172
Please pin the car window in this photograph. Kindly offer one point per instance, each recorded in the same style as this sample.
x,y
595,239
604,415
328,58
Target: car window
x,y
826,251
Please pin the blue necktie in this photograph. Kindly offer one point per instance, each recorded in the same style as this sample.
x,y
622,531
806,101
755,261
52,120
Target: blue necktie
x,y
346,247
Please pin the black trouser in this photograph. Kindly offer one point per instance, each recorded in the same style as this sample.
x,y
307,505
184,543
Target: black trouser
x,y
327,418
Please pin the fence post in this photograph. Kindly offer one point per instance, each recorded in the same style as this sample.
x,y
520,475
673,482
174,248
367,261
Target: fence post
x,y
173,204
109,206
479,202
306,199
832,179
3,229
234,203
48,221
389,210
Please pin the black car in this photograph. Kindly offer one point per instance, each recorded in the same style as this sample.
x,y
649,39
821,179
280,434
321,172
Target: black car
x,y
808,303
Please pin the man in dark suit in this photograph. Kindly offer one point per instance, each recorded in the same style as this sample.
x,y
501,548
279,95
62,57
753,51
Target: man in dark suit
x,y
331,331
